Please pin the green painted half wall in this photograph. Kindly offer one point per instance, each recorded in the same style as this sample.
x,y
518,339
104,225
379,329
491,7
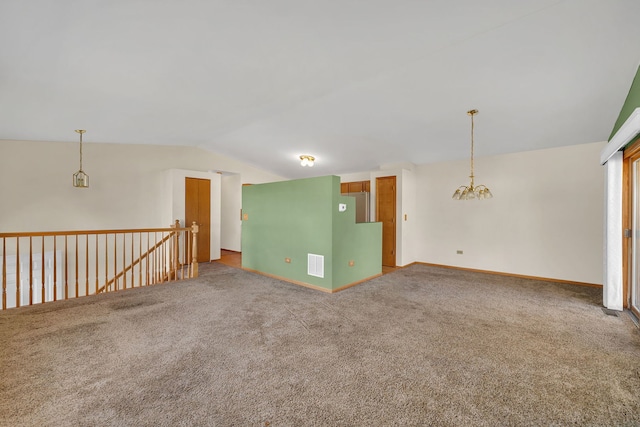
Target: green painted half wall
x,y
291,219
630,104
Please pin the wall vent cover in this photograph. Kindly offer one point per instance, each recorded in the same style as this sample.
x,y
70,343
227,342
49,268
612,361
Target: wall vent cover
x,y
315,265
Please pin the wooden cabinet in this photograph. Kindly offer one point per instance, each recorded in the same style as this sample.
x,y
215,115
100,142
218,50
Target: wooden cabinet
x,y
355,187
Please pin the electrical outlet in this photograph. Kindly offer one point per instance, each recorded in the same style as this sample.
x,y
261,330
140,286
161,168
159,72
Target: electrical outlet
x,y
459,252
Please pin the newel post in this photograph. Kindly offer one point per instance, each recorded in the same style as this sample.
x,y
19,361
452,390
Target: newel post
x,y
175,259
194,252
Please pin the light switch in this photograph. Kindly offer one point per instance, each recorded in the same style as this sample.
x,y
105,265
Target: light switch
x,y
342,207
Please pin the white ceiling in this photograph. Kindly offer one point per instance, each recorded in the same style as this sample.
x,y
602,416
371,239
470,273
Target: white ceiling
x,y
356,83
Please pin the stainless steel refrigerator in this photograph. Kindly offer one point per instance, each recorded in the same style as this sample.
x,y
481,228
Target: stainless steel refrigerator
x,y
362,206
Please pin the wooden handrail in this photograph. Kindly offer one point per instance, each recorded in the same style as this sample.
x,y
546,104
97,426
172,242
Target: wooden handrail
x,y
92,262
90,232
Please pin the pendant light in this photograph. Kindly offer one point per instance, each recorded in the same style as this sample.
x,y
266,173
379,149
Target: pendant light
x,y
80,179
472,192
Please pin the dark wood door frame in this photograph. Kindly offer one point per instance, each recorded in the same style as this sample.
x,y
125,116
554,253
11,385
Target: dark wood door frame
x,y
197,207
386,213
631,154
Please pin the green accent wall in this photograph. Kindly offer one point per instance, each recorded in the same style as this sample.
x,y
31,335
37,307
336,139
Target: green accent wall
x,y
630,104
290,219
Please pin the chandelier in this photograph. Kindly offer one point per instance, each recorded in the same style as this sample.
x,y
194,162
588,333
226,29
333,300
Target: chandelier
x,y
80,179
472,192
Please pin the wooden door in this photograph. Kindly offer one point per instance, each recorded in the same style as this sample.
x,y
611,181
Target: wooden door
x,y
197,208
386,214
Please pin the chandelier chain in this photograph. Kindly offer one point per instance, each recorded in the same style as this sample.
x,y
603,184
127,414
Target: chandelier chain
x,y
80,150
472,113
81,132
80,179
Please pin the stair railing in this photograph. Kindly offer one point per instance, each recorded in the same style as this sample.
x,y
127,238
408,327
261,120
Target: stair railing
x,y
38,267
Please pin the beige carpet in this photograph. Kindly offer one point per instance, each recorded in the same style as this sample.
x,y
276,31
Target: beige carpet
x,y
420,346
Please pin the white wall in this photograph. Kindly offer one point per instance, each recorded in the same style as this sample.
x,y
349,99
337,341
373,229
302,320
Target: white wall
x,y
405,205
128,184
408,219
177,203
546,217
231,204
613,286
353,177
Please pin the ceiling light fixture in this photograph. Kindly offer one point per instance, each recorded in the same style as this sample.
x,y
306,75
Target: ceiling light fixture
x,y
472,192
80,179
306,160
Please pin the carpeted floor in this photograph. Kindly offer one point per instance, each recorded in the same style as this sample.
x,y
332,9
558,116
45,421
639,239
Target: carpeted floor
x,y
420,346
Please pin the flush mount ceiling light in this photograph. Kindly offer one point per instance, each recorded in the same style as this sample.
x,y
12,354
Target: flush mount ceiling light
x,y
80,179
472,192
306,160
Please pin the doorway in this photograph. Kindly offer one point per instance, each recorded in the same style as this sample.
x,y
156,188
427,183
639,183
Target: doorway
x,y
197,208
631,224
386,214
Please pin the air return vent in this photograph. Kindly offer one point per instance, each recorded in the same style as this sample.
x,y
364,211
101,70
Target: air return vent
x,y
315,265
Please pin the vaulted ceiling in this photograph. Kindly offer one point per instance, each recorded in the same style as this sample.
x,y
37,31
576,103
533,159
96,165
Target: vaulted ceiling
x,y
356,83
